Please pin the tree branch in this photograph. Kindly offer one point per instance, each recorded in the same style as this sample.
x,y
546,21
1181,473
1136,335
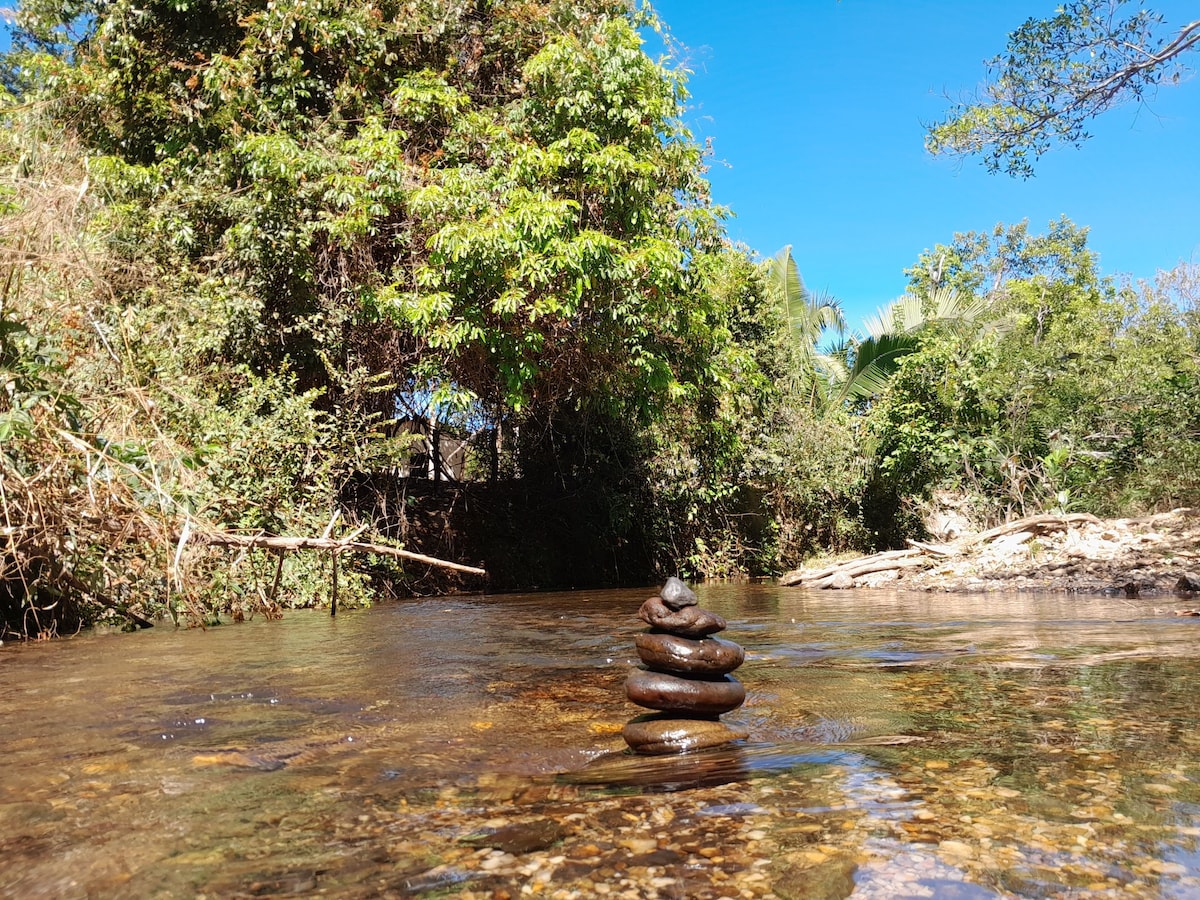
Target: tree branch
x,y
330,545
1056,75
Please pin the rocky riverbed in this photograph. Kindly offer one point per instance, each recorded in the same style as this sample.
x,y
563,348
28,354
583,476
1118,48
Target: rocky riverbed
x,y
1155,556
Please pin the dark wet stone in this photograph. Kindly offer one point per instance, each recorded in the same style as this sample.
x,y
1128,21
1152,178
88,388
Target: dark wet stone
x,y
832,880
521,837
661,734
573,870
657,690
661,857
611,818
1188,583
706,656
669,767
691,621
296,883
676,595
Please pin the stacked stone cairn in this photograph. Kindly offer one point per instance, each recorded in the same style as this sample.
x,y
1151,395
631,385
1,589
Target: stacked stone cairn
x,y
685,676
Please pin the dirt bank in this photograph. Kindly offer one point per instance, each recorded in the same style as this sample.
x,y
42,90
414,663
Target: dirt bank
x,y
1155,556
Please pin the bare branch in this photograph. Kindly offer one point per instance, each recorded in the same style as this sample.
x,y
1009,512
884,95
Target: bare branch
x,y
331,545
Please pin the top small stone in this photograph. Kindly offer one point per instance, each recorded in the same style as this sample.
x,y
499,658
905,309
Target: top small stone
x,y
676,595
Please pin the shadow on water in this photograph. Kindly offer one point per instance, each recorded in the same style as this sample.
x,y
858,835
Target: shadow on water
x,y
703,768
721,765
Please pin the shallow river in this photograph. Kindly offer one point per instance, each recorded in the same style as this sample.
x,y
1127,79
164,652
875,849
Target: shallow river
x,y
900,746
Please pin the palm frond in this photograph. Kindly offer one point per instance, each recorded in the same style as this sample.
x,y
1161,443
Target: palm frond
x,y
894,331
808,316
875,361
786,286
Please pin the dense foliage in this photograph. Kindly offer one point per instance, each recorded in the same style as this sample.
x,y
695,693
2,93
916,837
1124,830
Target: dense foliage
x,y
1084,398
250,251
300,220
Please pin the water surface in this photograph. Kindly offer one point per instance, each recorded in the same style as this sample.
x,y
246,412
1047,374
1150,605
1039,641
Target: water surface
x,y
900,746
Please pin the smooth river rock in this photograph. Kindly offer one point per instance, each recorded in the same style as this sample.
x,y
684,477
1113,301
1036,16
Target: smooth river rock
x,y
684,656
690,621
657,690
663,733
676,595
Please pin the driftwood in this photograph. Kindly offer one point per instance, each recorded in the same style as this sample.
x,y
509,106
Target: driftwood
x,y
921,554
330,545
852,564
1035,524
868,565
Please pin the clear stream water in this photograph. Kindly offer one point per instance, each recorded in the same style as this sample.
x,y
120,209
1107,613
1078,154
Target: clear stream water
x,y
900,745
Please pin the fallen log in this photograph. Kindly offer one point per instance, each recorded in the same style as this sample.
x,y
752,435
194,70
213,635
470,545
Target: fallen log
x,y
880,562
1040,523
869,567
330,545
922,554
943,550
800,576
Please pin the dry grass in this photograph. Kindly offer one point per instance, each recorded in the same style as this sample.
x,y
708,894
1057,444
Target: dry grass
x,y
83,531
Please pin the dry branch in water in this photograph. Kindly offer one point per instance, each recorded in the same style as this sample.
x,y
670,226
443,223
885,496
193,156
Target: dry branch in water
x,y
331,545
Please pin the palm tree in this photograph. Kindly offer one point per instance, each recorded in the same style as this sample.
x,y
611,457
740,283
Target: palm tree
x,y
895,331
808,317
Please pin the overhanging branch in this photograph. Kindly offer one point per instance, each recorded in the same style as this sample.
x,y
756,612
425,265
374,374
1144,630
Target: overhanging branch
x,y
329,545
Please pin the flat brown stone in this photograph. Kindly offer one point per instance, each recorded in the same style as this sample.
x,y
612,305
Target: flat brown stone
x,y
690,621
705,656
657,734
657,690
522,837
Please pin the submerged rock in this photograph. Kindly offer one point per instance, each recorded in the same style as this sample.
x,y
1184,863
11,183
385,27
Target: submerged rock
x,y
664,733
521,837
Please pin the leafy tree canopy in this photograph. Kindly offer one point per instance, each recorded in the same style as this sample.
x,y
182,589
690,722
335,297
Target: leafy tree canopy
x,y
1086,398
986,261
1060,72
496,201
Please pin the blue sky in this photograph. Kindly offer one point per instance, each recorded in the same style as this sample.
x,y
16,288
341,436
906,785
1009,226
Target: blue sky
x,y
815,111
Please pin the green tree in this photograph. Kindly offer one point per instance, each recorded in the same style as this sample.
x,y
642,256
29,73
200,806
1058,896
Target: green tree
x,y
1085,400
563,266
1060,72
500,199
305,213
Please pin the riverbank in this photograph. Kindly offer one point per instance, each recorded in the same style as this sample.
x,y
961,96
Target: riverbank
x,y
1154,556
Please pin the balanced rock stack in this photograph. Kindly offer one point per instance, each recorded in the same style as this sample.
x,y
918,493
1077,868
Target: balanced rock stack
x,y
686,676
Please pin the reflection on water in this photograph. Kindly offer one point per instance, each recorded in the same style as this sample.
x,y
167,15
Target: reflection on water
x,y
900,746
